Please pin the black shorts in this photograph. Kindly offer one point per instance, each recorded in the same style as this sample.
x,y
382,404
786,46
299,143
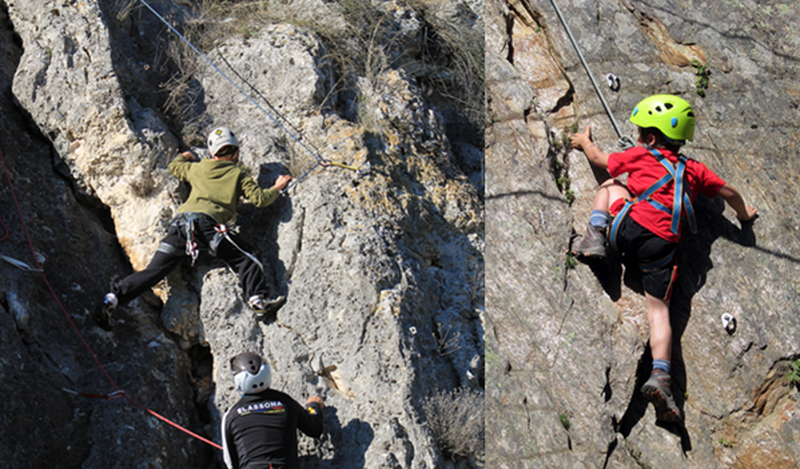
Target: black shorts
x,y
654,256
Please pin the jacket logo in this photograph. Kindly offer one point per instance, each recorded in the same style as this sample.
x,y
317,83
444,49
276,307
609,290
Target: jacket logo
x,y
266,407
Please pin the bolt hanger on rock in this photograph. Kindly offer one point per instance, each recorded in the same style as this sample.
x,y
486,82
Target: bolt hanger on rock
x,y
625,141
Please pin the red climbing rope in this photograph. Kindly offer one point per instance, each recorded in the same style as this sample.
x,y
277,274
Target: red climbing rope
x,y
118,392
5,229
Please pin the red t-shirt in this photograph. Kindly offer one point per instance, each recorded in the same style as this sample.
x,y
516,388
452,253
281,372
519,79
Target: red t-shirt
x,y
643,170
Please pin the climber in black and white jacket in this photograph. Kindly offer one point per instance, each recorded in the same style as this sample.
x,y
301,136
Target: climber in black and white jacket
x,y
260,430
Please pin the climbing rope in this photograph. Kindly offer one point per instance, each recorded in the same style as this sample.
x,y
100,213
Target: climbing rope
x,y
118,392
625,141
5,229
263,98
320,161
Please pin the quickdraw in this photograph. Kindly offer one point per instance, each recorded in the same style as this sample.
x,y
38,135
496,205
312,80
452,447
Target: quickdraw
x,y
360,170
681,202
191,246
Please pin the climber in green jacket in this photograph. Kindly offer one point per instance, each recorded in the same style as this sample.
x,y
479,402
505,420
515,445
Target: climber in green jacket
x,y
216,186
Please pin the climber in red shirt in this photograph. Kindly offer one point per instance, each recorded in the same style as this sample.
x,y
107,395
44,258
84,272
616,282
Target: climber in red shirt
x,y
644,219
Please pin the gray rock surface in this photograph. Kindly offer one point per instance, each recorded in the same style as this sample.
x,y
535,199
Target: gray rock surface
x,y
567,345
383,270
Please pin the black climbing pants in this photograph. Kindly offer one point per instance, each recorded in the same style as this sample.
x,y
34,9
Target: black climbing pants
x,y
172,251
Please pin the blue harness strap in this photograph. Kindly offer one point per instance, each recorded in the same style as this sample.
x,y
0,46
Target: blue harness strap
x,y
681,200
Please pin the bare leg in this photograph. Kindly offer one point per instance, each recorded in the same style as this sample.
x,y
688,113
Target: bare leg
x,y
660,328
608,193
593,244
658,389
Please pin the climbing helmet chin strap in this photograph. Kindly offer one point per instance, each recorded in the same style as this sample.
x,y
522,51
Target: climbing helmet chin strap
x,y
680,202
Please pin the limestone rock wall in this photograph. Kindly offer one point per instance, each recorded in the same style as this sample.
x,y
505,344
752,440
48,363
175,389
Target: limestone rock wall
x,y
567,342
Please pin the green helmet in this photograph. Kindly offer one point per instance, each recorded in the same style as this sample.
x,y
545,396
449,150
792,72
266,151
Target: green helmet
x,y
672,115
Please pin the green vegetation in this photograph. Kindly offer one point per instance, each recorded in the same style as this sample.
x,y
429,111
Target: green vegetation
x,y
559,167
491,357
793,377
564,419
725,443
248,32
571,261
702,74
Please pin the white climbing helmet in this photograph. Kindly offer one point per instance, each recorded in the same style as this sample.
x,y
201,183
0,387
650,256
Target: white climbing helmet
x,y
221,137
250,374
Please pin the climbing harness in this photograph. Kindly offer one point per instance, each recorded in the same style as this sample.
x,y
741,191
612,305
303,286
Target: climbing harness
x,y
222,232
185,222
681,201
118,392
625,141
320,160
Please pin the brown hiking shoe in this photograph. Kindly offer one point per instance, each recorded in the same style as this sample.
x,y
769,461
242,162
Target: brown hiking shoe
x,y
657,390
592,244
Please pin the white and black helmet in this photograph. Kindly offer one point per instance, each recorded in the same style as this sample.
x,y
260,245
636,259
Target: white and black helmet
x,y
250,373
221,137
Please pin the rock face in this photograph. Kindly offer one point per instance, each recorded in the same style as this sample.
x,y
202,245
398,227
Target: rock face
x,y
567,343
382,268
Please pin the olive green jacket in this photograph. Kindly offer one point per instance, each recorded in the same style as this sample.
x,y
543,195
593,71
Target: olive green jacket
x,y
217,186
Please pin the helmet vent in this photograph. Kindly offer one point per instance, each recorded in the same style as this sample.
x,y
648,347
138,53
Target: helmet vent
x,y
668,105
690,114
